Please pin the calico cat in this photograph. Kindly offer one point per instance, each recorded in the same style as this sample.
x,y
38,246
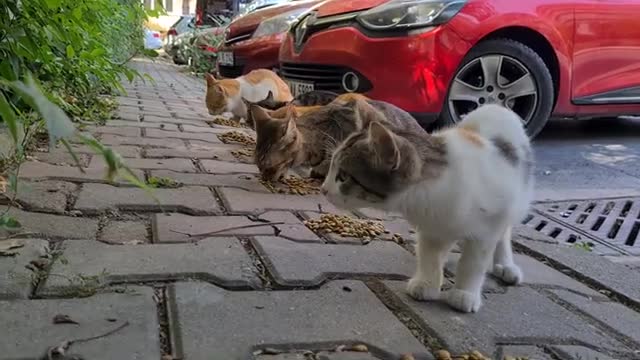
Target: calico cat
x,y
311,98
308,140
225,96
471,184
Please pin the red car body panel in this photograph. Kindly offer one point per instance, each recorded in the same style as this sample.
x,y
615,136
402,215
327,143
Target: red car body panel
x,y
414,71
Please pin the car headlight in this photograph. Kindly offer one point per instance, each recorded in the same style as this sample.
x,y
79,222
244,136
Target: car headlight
x,y
410,14
278,24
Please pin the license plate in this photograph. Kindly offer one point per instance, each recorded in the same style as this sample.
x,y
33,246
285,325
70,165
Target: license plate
x,y
299,87
225,58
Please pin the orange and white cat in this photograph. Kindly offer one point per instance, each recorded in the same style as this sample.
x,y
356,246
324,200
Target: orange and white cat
x,y
225,96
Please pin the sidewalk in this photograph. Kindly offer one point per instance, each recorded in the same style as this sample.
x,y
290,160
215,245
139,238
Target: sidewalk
x,y
120,265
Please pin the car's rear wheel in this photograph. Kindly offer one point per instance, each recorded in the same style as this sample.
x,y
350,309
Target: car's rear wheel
x,y
504,72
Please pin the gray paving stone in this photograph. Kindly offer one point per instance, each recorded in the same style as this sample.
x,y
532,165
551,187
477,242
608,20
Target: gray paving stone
x,y
28,330
61,157
171,120
144,124
220,260
223,153
16,280
50,226
615,315
537,273
308,264
172,227
243,181
321,316
242,201
44,171
574,352
212,130
161,134
198,145
109,139
379,214
181,165
513,352
48,196
126,151
597,269
115,130
124,232
95,198
223,167
520,313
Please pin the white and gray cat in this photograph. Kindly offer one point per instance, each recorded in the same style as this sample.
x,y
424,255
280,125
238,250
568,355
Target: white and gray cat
x,y
469,184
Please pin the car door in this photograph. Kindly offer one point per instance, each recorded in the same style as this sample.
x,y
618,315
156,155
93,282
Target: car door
x,y
606,56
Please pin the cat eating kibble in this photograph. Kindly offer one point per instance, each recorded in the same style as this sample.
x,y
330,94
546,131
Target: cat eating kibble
x,y
468,184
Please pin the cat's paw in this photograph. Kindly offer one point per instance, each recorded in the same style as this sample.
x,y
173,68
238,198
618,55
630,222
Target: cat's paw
x,y
463,300
510,274
422,291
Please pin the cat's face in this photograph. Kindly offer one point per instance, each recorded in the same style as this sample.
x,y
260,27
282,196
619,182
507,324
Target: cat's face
x,y
278,142
217,96
366,169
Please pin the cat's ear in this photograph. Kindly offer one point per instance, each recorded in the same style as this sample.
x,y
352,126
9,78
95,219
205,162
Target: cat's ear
x,y
258,114
384,144
269,96
211,80
365,112
291,117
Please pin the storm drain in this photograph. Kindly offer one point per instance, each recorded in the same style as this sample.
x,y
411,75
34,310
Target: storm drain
x,y
612,223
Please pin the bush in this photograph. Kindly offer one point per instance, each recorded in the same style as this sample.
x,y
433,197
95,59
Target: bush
x,y
202,61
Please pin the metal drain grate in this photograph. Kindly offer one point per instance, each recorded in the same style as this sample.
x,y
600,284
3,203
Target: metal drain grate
x,y
612,222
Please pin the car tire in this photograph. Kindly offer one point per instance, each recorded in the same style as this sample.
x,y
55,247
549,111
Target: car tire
x,y
511,49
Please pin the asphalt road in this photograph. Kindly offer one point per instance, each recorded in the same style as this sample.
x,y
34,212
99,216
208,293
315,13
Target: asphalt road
x,y
584,159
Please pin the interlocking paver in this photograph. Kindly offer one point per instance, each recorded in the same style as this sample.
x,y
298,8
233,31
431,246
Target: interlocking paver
x,y
181,165
52,226
202,136
61,157
115,130
220,260
100,197
143,124
330,314
42,171
175,227
310,264
223,167
575,352
124,232
28,328
242,181
222,153
520,313
109,139
242,201
16,280
47,196
126,151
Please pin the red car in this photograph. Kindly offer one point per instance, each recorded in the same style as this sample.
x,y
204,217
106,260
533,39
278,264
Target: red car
x,y
253,41
439,59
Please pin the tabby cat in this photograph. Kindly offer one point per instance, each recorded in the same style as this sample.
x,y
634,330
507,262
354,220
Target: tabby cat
x,y
470,184
311,98
225,96
308,140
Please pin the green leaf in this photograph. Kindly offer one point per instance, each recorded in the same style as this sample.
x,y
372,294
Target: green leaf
x,y
150,53
53,4
73,154
70,52
58,123
77,13
13,182
9,117
9,222
97,52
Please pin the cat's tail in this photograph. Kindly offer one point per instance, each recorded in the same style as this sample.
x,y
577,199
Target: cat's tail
x,y
497,122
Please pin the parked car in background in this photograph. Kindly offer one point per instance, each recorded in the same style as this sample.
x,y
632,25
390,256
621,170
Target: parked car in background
x,y
440,59
182,44
183,25
253,41
152,39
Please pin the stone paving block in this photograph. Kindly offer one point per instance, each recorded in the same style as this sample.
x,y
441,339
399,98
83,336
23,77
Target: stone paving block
x,y
95,198
42,171
172,227
283,319
198,145
242,201
126,151
521,314
223,153
379,214
161,134
172,120
61,157
309,264
212,130
125,232
320,355
514,352
47,196
223,167
615,315
181,165
538,273
143,124
51,226
108,139
28,329
115,130
597,269
242,181
575,352
16,280
219,260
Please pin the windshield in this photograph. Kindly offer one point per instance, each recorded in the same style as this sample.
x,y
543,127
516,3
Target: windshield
x,y
246,8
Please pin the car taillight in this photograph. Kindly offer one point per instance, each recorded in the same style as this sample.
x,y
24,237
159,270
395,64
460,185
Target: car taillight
x,y
172,32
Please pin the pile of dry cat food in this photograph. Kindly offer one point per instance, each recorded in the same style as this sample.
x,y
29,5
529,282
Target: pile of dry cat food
x,y
346,226
244,154
226,122
474,355
237,137
293,185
